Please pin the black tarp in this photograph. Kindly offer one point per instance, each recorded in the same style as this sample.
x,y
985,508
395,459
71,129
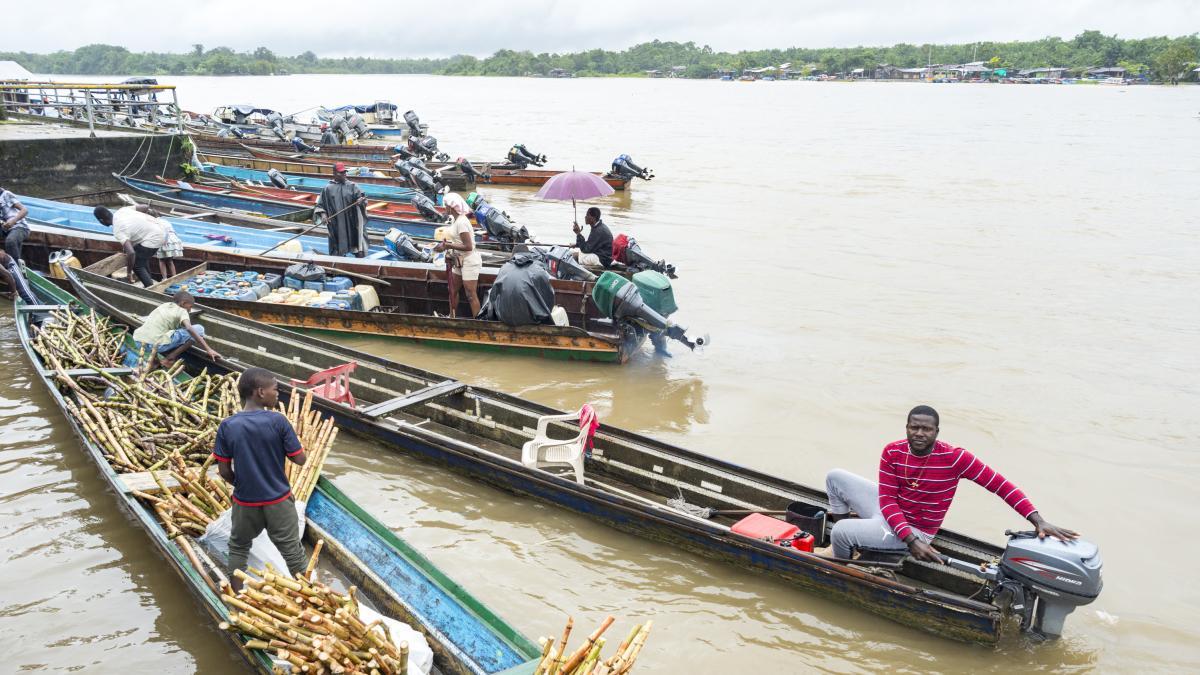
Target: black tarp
x,y
521,295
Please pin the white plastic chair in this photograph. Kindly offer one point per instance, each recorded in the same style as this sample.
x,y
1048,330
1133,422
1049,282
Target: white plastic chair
x,y
546,450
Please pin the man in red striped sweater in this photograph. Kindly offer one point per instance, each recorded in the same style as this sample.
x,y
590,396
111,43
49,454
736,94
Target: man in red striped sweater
x,y
917,481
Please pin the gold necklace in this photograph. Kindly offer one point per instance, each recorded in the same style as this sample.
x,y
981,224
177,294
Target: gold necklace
x,y
916,480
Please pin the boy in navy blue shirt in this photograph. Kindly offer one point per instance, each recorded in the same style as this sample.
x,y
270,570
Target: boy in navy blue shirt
x,y
251,447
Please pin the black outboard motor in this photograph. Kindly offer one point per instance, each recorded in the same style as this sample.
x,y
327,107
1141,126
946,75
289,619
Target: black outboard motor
x,y
404,152
425,182
427,148
359,126
275,121
498,225
401,245
278,179
235,131
562,264
413,122
636,260
427,208
464,165
624,167
523,157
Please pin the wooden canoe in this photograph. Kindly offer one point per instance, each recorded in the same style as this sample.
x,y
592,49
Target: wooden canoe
x,y
630,477
324,169
467,638
568,342
501,173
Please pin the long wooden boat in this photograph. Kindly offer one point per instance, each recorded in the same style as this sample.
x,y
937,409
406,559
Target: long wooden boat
x,y
256,202
223,145
466,636
378,176
610,344
501,173
629,477
308,184
412,288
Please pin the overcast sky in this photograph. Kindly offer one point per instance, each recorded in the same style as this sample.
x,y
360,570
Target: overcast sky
x,y
403,28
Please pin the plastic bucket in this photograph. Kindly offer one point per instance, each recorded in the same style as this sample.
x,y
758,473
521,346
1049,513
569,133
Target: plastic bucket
x,y
808,518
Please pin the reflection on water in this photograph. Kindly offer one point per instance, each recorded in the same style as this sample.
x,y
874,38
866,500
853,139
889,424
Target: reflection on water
x,y
1022,258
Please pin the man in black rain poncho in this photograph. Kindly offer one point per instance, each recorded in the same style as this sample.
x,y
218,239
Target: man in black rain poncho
x,y
521,294
342,207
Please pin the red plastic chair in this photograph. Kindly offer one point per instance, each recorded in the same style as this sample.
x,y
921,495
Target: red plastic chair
x,y
331,383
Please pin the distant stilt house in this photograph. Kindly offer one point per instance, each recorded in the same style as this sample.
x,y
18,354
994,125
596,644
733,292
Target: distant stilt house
x,y
913,73
724,74
654,73
1050,73
885,72
559,72
857,74
1105,73
677,71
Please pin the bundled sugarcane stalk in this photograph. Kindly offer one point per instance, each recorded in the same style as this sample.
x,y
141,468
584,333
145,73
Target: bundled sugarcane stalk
x,y
198,498
80,340
316,436
309,625
586,659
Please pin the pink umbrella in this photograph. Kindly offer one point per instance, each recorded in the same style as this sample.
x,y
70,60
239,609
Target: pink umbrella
x,y
574,185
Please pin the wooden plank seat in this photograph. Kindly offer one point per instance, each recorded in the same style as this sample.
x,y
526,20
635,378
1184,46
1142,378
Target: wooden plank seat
x,y
433,391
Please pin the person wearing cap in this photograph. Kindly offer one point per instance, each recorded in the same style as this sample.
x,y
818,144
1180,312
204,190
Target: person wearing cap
x,y
342,206
328,136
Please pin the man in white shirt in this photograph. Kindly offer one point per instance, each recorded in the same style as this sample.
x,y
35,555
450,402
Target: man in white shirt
x,y
140,234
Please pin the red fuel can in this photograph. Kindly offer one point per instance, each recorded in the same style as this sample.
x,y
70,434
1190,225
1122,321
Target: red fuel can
x,y
804,541
758,526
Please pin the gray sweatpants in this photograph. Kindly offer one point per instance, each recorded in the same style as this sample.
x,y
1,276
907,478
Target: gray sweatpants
x,y
282,526
850,492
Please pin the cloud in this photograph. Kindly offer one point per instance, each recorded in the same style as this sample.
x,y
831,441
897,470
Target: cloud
x,y
412,29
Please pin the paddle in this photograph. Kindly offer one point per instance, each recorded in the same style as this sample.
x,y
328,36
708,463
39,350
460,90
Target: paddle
x,y
314,226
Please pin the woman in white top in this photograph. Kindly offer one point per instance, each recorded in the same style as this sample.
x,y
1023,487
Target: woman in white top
x,y
463,261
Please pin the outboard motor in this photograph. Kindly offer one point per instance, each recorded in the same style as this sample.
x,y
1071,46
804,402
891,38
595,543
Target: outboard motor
x,y
277,179
427,147
237,132
627,252
497,224
644,303
464,165
562,264
523,157
275,121
624,167
1041,580
401,245
413,122
359,126
338,124
425,182
404,152
427,208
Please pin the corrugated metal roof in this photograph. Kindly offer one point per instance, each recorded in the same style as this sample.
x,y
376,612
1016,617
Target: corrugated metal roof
x,y
11,70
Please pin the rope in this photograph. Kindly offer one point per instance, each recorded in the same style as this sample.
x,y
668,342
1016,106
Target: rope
x,y
135,154
679,504
167,158
149,147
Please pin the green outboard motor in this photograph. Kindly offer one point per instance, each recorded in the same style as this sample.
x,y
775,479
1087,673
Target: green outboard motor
x,y
645,302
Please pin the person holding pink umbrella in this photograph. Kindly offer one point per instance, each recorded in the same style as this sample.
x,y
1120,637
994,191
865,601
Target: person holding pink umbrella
x,y
596,250
463,262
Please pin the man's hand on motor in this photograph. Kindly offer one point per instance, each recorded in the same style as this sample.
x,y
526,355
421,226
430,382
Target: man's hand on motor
x,y
923,551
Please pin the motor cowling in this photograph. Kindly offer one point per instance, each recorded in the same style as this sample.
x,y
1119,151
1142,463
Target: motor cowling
x,y
464,165
413,122
498,225
427,208
339,124
636,260
425,182
277,179
646,302
237,132
523,157
401,245
359,125
425,147
1056,577
561,263
624,167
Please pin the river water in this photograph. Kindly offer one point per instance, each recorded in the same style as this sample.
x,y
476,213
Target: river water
x,y
1023,258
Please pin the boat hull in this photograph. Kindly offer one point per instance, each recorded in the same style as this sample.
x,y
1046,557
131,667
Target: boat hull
x,y
942,612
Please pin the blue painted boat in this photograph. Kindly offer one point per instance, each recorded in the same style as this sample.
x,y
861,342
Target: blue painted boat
x,y
627,482
242,240
307,183
467,638
186,193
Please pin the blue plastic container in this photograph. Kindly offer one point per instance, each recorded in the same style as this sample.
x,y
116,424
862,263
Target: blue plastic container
x,y
247,294
273,280
351,298
293,282
337,304
174,288
314,285
336,284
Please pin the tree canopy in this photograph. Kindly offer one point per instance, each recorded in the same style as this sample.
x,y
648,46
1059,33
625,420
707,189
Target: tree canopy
x,y
1164,58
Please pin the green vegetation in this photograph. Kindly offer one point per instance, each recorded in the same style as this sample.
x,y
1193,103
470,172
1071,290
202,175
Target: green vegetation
x,y
1161,58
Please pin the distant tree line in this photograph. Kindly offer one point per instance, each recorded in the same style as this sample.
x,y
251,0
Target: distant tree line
x,y
1160,58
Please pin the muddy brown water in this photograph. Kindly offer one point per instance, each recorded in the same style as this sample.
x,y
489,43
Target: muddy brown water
x,y
1022,258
